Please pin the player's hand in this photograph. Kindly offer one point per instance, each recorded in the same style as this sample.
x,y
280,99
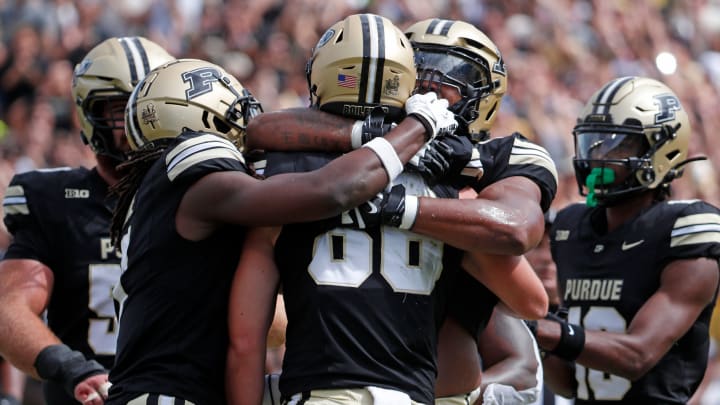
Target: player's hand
x,y
69,368
443,157
372,127
93,390
501,394
387,208
432,112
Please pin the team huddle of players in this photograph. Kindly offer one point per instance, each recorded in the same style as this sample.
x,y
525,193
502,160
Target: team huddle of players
x,y
385,215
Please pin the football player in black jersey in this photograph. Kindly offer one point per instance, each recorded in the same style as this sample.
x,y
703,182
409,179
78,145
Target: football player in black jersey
x,y
61,259
502,188
515,150
181,216
454,57
637,271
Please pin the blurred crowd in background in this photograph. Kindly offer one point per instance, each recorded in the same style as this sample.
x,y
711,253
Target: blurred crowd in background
x,y
557,53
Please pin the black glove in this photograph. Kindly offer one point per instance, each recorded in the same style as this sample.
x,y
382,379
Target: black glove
x,y
444,157
387,208
372,127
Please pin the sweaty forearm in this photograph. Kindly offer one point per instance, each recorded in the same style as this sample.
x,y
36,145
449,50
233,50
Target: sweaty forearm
x,y
477,225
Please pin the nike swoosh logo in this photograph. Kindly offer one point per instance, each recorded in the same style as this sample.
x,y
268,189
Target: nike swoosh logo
x,y
626,246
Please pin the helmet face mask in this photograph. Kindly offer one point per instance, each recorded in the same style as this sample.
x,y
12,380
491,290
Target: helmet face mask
x,y
188,95
632,125
458,55
361,62
103,80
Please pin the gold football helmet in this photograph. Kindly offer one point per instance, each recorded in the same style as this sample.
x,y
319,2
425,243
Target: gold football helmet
x,y
359,63
633,122
108,73
455,53
188,95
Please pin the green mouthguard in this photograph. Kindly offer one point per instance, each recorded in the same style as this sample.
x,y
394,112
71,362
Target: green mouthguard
x,y
598,176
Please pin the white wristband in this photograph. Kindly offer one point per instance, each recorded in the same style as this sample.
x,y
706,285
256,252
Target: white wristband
x,y
356,134
387,155
411,209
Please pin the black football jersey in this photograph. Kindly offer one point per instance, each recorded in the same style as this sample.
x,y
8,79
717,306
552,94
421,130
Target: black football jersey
x,y
173,292
605,277
61,218
468,301
359,302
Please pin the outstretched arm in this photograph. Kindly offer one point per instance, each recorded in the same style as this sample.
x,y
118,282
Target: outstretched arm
x,y
340,185
686,288
252,304
299,129
505,219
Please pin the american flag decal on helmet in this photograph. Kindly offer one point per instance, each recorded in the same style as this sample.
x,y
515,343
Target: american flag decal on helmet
x,y
348,81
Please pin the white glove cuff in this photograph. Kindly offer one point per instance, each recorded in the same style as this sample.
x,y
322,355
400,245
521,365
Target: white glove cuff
x,y
387,155
411,209
356,134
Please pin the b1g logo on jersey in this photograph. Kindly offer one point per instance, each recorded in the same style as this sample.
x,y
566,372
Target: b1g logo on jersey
x,y
76,193
668,104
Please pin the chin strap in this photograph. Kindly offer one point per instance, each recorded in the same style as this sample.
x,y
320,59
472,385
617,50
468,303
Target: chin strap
x,y
598,176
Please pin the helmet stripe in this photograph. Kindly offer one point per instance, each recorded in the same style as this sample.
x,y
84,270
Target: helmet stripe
x,y
380,60
143,57
606,95
130,56
431,27
373,49
366,60
137,57
439,27
133,128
